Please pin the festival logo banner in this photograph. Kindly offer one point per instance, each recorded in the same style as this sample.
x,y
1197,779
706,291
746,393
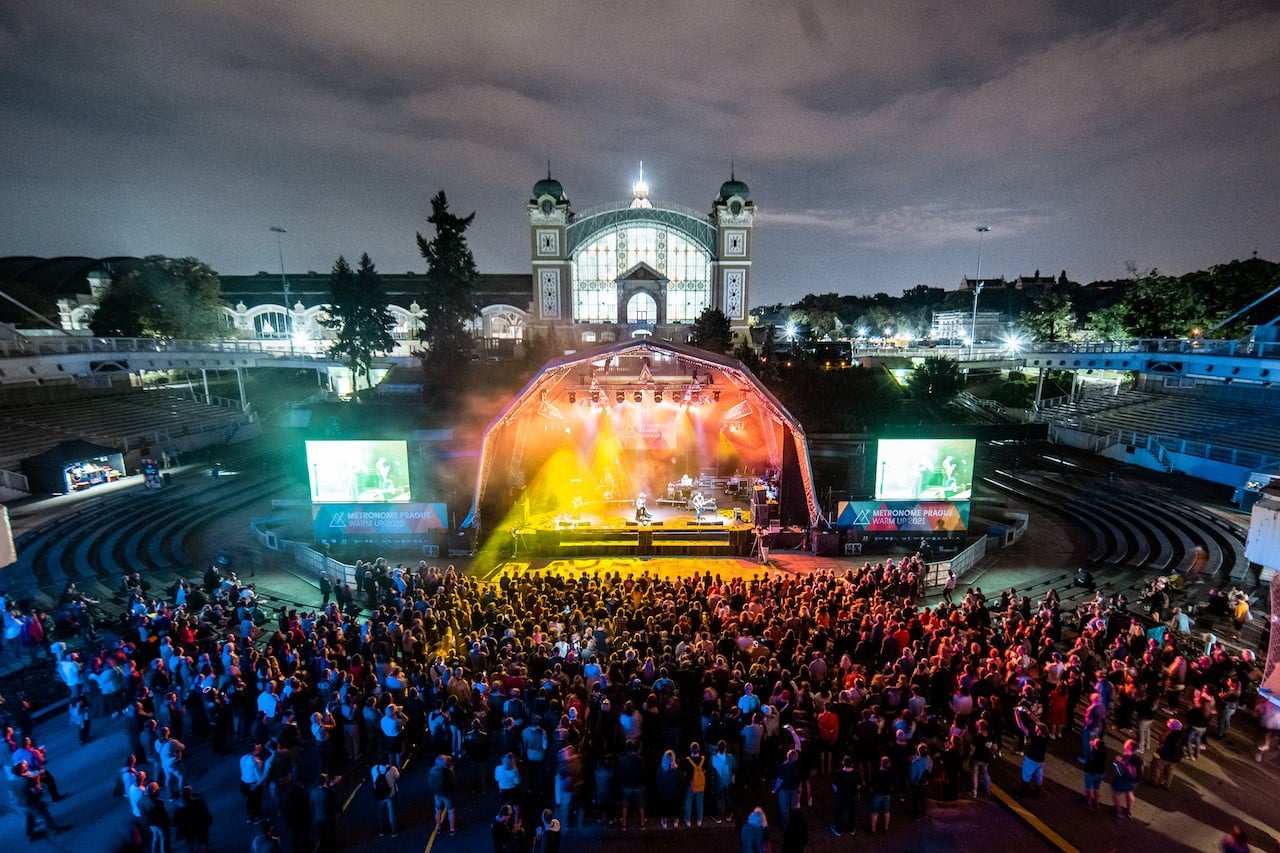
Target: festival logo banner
x,y
378,522
903,516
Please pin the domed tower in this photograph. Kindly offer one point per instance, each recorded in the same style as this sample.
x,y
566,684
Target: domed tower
x,y
733,213
549,215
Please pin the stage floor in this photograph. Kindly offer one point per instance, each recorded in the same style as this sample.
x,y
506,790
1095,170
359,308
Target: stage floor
x,y
620,515
610,529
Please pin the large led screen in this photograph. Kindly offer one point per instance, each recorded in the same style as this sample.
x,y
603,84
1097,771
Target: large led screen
x,y
929,469
358,471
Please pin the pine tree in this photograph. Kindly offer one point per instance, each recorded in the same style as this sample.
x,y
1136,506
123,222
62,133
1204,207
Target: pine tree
x,y
358,311
711,331
449,301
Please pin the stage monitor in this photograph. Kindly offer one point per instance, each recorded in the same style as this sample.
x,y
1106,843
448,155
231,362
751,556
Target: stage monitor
x,y
929,469
358,471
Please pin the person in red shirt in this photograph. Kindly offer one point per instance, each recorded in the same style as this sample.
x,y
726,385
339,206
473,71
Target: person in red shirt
x,y
828,734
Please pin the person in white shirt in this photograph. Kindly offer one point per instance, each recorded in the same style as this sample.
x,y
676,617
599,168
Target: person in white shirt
x,y
72,673
252,776
136,792
269,702
392,724
170,751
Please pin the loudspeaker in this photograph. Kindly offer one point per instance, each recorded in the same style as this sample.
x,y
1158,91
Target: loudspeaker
x,y
852,549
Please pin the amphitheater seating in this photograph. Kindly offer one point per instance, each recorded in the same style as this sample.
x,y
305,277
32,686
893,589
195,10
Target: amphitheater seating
x,y
126,421
1129,529
1192,417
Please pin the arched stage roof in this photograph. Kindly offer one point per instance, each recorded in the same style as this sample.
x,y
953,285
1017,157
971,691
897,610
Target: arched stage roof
x,y
643,366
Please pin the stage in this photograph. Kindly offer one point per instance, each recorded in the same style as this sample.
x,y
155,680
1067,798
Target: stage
x,y
565,465
609,528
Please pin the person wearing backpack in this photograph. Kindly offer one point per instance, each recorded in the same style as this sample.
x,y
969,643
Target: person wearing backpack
x,y
385,787
696,769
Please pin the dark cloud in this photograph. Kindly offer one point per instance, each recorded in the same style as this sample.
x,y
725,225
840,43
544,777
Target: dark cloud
x,y
875,136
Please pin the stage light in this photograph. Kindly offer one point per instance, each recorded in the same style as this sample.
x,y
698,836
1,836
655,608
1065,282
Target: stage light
x,y
621,397
595,396
657,396
715,395
639,397
573,398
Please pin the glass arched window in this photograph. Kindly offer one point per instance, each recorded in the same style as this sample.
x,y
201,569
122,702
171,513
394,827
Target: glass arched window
x,y
610,253
274,325
642,308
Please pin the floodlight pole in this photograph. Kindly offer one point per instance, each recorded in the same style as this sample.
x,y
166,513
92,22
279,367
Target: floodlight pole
x,y
977,289
288,318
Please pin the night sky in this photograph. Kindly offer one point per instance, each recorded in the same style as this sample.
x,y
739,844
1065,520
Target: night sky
x,y
874,135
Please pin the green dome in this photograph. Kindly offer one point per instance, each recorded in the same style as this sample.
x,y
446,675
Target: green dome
x,y
548,186
733,187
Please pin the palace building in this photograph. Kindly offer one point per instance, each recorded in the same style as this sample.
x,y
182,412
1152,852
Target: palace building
x,y
613,272
638,269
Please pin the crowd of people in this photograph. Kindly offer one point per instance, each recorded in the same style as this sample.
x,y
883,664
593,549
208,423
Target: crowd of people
x,y
646,702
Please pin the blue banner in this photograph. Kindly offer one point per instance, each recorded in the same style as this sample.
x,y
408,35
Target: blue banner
x,y
903,516
378,522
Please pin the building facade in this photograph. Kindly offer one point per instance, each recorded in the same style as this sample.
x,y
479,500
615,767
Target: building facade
x,y
614,272
635,269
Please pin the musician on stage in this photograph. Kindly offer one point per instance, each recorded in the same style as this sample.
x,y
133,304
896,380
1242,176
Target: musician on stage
x,y
699,503
642,513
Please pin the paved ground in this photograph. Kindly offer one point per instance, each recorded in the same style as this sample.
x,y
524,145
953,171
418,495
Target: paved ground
x,y
1226,786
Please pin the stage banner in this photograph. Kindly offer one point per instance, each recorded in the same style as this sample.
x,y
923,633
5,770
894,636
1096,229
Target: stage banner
x,y
378,522
903,516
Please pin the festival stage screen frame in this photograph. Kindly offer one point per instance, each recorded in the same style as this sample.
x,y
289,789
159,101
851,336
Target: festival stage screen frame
x,y
924,469
352,471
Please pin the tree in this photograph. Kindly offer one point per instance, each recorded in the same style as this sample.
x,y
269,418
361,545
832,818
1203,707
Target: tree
x,y
768,362
172,298
1051,317
1159,306
745,353
1107,324
449,300
119,311
711,331
357,309
936,381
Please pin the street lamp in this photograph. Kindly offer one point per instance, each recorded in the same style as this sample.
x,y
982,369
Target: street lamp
x,y
288,320
977,289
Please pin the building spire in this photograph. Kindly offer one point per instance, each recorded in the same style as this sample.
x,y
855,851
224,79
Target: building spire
x,y
640,191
